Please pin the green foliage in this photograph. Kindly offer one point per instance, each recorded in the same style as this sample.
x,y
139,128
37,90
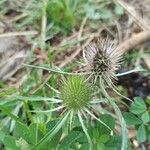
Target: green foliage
x,y
10,143
20,127
141,133
138,107
131,57
69,140
102,136
103,12
119,10
24,136
7,91
148,100
33,11
62,14
131,119
139,116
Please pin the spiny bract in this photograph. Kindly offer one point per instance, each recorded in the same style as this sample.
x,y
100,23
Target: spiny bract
x,y
102,59
75,93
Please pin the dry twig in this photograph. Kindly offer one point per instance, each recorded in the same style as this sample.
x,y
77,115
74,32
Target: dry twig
x,y
134,41
138,20
25,33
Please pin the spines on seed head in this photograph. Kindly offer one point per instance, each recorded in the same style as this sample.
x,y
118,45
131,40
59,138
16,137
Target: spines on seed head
x,y
75,93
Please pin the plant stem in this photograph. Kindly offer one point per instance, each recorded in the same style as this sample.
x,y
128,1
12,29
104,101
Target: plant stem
x,y
119,114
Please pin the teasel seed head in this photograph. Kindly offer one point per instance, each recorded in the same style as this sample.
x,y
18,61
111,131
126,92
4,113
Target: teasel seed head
x,y
74,99
102,59
75,93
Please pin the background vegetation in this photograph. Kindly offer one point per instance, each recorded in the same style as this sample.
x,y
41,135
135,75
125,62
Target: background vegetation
x,y
53,33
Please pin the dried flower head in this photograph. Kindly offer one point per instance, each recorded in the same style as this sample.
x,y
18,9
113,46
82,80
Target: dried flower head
x,y
102,59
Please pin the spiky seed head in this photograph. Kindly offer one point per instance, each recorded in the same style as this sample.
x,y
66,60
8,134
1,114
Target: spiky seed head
x,y
102,59
75,93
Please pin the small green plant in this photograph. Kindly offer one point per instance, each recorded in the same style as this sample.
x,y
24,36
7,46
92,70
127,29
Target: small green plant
x,y
61,14
75,100
64,110
139,116
101,11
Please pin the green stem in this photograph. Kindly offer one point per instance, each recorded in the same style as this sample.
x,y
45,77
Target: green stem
x,y
53,70
119,114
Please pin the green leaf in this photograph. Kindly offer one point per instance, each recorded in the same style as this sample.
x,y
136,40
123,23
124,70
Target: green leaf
x,y
84,147
105,14
95,133
52,132
148,133
131,119
148,100
107,119
91,12
145,117
56,138
69,139
10,143
22,144
12,116
119,10
83,138
114,143
23,131
29,134
104,138
72,4
141,133
100,146
2,135
61,14
138,106
33,133
6,92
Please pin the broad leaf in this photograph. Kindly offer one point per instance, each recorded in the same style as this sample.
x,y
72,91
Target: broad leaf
x,y
107,119
69,139
10,143
23,131
148,100
22,144
145,117
131,119
138,106
141,133
119,10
